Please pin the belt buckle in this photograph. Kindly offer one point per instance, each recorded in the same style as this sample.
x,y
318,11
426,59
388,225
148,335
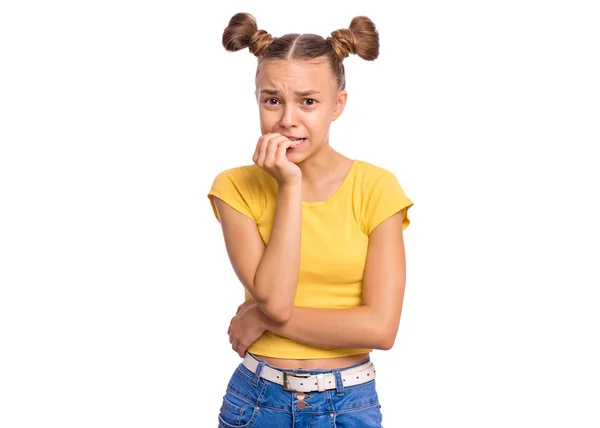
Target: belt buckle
x,y
286,380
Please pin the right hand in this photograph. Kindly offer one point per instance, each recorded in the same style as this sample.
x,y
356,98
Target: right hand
x,y
246,327
270,155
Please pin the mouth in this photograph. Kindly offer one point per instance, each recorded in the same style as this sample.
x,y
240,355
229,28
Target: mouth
x,y
298,141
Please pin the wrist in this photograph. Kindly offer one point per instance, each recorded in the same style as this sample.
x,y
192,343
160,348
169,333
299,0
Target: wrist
x,y
289,191
290,185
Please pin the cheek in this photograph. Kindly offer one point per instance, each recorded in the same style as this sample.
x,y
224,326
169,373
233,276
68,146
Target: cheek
x,y
321,124
268,115
266,119
314,120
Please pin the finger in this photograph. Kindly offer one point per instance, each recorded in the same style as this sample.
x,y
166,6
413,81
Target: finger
x,y
261,151
267,141
278,138
274,144
280,155
239,308
266,150
235,345
257,148
270,153
241,350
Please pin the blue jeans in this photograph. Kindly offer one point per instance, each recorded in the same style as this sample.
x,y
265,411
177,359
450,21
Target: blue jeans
x,y
251,401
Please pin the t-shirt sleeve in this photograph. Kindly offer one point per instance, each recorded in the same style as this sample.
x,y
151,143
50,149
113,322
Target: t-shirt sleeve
x,y
384,198
235,190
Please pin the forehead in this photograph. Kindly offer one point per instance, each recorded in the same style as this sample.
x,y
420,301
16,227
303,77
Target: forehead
x,y
282,74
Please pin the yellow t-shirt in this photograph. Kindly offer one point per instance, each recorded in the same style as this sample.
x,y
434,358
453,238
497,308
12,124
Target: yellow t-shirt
x,y
335,235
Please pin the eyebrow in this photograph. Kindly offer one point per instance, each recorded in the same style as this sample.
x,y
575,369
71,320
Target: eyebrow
x,y
299,93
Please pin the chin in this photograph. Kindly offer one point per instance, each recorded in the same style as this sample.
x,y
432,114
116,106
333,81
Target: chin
x,y
295,157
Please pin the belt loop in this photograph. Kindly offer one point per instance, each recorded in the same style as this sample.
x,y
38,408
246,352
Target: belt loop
x,y
321,382
339,386
256,378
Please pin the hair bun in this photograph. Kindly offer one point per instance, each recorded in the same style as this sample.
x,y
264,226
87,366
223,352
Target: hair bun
x,y
361,38
259,42
242,32
343,43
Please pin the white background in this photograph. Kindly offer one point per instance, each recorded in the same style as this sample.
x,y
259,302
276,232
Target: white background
x,y
116,291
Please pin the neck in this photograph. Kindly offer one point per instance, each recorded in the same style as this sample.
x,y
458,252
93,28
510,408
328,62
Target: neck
x,y
320,166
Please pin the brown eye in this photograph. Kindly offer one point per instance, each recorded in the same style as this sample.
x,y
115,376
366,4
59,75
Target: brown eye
x,y
310,101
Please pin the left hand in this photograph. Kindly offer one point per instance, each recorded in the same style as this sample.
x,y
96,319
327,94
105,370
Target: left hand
x,y
246,326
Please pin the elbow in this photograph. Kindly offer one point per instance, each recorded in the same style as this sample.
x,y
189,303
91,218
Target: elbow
x,y
386,342
386,338
280,315
274,304
386,324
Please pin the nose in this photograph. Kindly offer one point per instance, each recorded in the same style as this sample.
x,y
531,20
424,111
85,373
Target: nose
x,y
289,119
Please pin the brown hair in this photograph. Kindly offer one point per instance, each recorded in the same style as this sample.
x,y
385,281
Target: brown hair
x,y
360,38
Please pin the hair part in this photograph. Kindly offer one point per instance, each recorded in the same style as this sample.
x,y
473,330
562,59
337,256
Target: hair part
x,y
361,38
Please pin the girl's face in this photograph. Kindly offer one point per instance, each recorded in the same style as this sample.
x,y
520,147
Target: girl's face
x,y
299,99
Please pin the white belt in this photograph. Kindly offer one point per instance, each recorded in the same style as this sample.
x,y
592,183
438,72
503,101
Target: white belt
x,y
308,383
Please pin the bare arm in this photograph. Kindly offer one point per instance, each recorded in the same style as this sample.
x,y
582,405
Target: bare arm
x,y
375,323
269,274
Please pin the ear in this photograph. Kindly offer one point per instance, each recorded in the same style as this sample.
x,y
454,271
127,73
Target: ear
x,y
340,103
